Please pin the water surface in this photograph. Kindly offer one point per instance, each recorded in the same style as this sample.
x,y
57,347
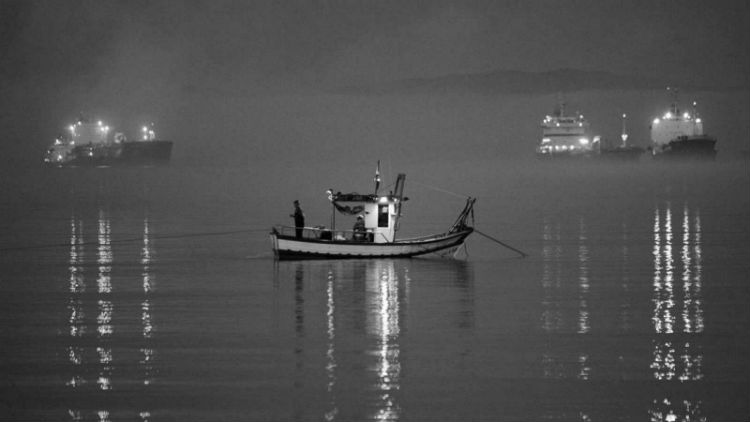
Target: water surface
x,y
152,294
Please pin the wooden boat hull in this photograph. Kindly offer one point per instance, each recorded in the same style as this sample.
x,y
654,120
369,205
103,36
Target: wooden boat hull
x,y
290,247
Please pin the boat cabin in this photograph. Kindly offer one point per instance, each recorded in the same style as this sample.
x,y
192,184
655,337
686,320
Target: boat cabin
x,y
380,212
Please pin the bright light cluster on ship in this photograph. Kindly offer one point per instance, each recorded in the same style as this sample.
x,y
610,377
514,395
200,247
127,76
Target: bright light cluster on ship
x,y
559,148
583,141
148,134
103,128
669,116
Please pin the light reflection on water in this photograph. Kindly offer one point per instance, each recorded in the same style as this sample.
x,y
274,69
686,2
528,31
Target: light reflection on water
x,y
605,308
677,312
365,300
384,323
89,349
554,285
677,317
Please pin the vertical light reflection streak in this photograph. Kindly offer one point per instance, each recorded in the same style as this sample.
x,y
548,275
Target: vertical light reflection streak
x,y
330,415
583,280
675,356
686,271
147,351
551,254
77,287
387,327
106,308
584,285
625,310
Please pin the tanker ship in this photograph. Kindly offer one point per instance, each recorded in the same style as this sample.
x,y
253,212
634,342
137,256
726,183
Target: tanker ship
x,y
89,144
679,135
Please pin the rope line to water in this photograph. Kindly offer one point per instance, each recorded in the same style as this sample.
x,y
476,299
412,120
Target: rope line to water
x,y
133,239
440,189
520,252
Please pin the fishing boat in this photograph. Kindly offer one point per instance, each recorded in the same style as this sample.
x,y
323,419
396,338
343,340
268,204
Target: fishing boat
x,y
564,136
376,238
89,144
679,135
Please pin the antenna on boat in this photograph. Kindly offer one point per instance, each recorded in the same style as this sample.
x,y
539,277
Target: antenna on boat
x,y
377,178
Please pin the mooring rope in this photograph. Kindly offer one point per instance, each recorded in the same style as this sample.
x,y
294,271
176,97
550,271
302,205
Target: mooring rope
x,y
522,253
133,239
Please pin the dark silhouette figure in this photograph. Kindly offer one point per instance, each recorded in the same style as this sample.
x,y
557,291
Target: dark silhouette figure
x,y
299,219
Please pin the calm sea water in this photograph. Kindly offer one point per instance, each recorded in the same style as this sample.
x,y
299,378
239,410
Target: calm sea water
x,y
152,294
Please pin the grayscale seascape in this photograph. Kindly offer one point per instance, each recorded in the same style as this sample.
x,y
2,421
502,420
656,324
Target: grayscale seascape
x,y
151,148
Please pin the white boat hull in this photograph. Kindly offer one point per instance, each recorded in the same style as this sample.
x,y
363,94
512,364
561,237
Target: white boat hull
x,y
289,247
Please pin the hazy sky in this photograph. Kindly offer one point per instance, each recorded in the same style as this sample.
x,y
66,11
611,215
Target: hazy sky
x,y
124,56
335,41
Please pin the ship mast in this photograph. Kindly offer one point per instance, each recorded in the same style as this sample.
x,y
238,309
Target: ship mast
x,y
674,91
624,135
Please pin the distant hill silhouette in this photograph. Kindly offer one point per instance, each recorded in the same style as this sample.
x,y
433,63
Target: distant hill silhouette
x,y
519,82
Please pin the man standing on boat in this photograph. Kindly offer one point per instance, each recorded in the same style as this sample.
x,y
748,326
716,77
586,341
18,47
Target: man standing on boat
x,y
299,219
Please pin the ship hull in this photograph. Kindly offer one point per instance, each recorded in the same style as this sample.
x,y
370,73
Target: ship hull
x,y
564,155
621,153
687,147
290,247
138,153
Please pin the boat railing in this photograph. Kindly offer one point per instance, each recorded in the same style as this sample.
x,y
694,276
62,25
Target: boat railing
x,y
319,233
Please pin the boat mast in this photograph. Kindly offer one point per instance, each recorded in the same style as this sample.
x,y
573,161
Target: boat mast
x,y
675,111
398,194
624,135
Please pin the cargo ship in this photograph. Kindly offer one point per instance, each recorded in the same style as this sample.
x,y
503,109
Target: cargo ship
x,y
89,144
622,152
679,135
564,135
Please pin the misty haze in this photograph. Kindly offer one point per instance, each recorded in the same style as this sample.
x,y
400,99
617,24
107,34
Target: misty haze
x,y
585,288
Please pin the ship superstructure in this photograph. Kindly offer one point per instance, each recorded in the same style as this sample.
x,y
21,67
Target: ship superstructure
x,y
680,134
564,135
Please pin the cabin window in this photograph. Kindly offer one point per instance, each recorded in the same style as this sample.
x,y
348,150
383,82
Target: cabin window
x,y
383,216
